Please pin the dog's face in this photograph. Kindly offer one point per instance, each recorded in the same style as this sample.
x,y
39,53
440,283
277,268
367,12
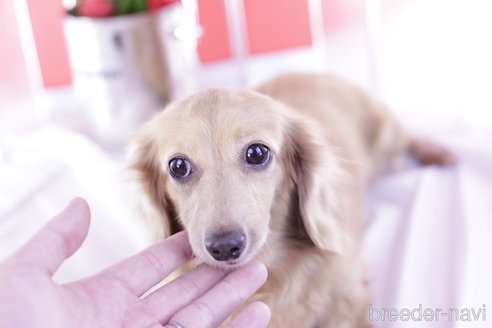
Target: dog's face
x,y
223,165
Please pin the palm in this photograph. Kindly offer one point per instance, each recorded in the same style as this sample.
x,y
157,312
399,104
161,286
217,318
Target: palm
x,y
105,304
94,302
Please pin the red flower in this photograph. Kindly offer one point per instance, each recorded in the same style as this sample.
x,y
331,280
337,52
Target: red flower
x,y
157,4
96,8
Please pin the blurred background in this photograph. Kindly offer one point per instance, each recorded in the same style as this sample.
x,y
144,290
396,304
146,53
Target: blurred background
x,y
78,77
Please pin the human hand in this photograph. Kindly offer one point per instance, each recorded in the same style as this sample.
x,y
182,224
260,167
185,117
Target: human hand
x,y
204,297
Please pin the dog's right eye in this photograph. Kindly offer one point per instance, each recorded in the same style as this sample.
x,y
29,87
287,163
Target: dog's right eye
x,y
258,155
179,168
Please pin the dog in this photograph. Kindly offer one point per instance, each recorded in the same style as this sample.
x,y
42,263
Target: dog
x,y
277,173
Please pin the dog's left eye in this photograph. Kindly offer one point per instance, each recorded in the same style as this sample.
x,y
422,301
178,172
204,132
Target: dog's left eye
x,y
257,154
179,168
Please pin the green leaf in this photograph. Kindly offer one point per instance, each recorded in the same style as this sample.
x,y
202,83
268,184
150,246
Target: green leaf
x,y
125,7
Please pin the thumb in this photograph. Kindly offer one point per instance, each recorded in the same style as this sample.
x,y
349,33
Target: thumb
x,y
60,238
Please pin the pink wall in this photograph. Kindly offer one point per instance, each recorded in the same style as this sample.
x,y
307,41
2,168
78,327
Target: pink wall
x,y
214,44
272,25
288,29
47,21
277,24
14,78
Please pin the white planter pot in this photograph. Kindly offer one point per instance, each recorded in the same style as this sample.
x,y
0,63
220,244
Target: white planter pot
x,y
126,68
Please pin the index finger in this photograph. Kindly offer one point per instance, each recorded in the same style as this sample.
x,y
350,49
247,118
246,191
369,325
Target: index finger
x,y
141,272
213,307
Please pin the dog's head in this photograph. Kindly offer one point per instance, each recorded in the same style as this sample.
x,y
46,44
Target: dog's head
x,y
232,168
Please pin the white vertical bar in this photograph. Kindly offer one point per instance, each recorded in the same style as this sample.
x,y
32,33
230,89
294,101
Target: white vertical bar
x,y
317,27
373,16
28,44
238,37
191,8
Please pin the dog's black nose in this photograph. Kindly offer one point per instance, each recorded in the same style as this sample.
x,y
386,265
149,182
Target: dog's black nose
x,y
226,246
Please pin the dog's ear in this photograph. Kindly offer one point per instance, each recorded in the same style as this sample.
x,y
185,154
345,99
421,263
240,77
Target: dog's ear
x,y
317,174
148,189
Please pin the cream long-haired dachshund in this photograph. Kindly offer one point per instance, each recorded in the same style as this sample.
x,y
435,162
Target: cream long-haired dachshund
x,y
278,173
